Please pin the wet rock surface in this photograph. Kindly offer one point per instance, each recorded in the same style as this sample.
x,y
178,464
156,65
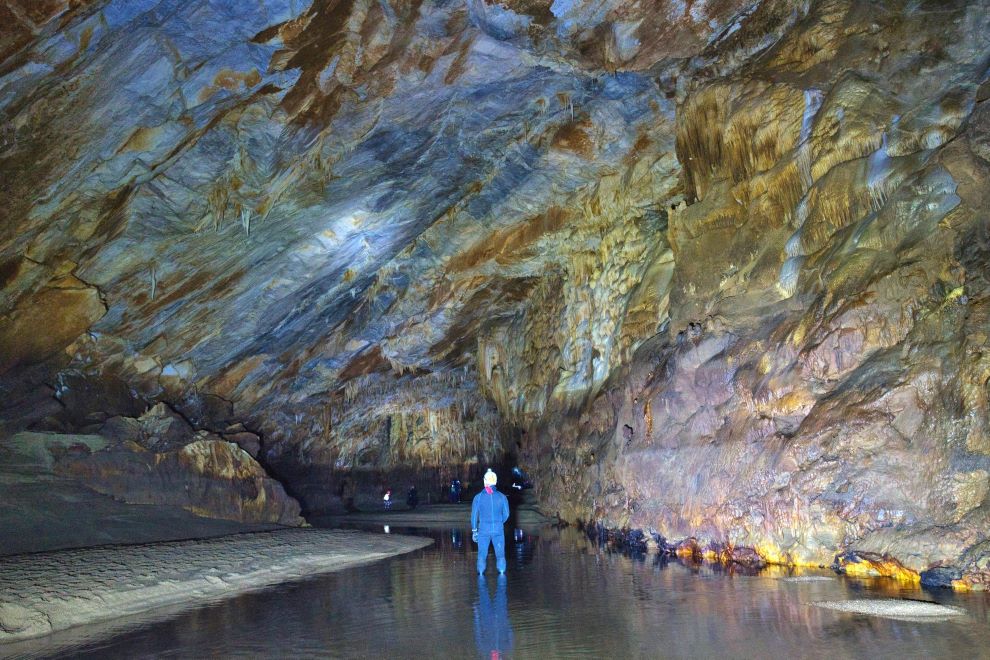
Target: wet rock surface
x,y
713,271
820,385
212,478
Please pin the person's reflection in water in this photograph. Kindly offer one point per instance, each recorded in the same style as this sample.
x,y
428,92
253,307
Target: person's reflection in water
x,y
492,629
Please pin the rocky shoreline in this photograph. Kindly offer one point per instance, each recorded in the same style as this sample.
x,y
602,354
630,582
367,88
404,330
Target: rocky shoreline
x,y
851,562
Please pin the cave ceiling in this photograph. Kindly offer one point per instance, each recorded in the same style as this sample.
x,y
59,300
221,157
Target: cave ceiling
x,y
263,204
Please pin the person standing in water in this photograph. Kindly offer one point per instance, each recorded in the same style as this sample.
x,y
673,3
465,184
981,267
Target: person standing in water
x,y
489,511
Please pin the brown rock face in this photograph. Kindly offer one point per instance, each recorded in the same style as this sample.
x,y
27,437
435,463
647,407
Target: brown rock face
x,y
44,323
208,477
712,270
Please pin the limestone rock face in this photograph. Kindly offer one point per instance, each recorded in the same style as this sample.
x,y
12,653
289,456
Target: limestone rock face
x,y
822,383
205,475
713,269
209,477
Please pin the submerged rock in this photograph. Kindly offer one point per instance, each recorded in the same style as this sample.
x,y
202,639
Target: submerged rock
x,y
807,578
897,609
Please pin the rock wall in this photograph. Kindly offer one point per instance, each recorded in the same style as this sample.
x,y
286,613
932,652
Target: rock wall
x,y
157,459
706,269
822,384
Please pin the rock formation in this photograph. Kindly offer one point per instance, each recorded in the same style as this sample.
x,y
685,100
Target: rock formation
x,y
712,270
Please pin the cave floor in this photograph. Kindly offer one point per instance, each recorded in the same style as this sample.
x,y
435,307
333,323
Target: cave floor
x,y
563,596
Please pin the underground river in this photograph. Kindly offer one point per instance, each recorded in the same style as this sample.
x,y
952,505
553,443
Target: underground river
x,y
563,596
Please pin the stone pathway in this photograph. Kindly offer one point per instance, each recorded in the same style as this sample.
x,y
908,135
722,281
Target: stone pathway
x,y
45,592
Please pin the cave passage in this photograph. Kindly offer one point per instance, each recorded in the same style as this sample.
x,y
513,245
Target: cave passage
x,y
712,276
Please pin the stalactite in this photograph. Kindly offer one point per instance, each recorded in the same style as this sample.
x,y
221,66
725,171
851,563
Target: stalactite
x,y
217,201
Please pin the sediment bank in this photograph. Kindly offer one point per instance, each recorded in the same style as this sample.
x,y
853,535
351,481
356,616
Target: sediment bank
x,y
46,592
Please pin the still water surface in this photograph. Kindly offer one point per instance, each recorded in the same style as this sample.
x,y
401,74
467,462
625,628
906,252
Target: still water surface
x,y
563,597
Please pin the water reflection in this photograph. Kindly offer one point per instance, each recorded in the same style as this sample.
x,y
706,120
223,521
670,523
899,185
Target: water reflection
x,y
561,596
492,628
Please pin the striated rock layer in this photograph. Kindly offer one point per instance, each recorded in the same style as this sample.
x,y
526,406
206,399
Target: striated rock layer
x,y
709,270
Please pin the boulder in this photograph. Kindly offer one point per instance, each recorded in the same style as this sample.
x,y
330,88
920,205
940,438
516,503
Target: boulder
x,y
163,429
246,440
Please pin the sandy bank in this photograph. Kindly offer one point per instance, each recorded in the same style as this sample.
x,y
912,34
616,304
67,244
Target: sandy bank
x,y
46,592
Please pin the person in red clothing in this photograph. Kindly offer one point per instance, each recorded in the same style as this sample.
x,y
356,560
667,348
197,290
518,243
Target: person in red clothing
x,y
489,511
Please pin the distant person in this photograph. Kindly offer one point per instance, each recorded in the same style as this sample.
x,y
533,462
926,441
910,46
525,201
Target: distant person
x,y
489,511
492,628
519,479
412,498
387,500
347,491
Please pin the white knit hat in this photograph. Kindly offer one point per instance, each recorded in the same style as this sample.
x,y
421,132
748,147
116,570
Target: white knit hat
x,y
490,478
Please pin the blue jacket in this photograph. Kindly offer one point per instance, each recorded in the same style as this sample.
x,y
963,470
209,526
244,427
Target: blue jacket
x,y
489,512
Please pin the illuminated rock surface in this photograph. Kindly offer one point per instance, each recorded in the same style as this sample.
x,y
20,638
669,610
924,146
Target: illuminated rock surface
x,y
713,270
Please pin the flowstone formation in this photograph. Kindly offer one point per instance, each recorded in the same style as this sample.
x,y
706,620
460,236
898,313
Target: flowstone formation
x,y
715,271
